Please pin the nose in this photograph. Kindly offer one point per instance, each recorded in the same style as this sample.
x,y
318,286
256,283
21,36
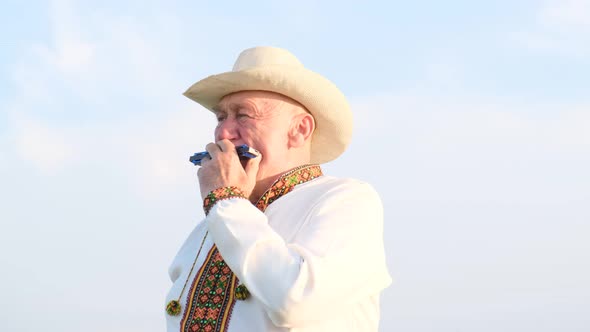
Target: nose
x,y
226,129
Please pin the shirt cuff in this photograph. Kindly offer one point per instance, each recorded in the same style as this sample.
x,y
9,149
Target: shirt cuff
x,y
220,194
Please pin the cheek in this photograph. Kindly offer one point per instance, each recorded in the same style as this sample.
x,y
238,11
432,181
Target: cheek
x,y
257,138
219,135
275,141
265,138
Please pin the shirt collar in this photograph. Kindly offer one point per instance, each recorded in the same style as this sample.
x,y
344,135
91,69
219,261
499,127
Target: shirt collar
x,y
286,182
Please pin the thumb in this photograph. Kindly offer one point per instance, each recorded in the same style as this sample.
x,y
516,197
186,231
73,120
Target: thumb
x,y
252,166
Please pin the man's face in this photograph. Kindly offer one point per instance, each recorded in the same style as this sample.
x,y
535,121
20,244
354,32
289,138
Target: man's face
x,y
258,118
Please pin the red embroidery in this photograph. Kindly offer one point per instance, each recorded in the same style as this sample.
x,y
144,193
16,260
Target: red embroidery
x,y
220,194
287,182
210,300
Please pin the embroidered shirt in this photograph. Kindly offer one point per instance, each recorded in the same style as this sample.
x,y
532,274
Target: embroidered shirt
x,y
313,260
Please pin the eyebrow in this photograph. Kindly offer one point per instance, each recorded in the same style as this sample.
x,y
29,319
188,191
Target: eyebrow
x,y
216,109
231,107
219,108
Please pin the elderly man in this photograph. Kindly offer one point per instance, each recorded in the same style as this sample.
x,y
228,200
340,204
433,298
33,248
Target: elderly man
x,y
283,247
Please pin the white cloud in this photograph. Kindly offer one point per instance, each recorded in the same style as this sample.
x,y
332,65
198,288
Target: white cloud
x,y
106,64
70,57
559,27
47,148
98,57
566,14
160,149
153,152
451,142
71,53
469,120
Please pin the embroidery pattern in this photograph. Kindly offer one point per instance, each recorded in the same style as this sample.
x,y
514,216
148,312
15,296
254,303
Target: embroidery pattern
x,y
220,194
212,297
287,182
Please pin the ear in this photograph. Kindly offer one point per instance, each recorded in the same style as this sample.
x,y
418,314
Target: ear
x,y
302,126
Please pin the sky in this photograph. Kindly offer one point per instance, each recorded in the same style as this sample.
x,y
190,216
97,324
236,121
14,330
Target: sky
x,y
472,121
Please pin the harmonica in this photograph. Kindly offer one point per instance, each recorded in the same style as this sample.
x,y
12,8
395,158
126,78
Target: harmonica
x,y
244,151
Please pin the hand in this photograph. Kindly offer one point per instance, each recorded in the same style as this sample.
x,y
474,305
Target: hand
x,y
224,169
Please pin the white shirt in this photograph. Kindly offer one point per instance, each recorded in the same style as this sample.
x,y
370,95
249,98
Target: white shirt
x,y
313,260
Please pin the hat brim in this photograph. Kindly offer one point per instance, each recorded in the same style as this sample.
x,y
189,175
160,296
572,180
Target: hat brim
x,y
321,97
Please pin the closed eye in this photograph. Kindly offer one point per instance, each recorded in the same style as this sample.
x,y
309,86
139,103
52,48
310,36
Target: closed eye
x,y
220,116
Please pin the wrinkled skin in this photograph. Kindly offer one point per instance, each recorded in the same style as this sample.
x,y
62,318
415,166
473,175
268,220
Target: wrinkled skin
x,y
275,125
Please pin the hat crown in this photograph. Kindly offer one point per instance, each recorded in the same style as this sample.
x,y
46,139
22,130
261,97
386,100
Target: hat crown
x,y
265,56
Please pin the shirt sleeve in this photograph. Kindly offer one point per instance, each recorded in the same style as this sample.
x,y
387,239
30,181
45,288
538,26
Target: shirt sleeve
x,y
336,259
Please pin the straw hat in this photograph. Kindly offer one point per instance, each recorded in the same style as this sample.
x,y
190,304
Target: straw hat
x,y
276,70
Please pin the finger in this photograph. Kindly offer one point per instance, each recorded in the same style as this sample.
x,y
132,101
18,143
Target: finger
x,y
205,159
213,149
226,145
252,166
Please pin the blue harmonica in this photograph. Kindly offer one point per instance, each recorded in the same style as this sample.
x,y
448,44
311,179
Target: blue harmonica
x,y
244,151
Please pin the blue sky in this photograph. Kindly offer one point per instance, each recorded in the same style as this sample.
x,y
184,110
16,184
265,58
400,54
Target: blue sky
x,y
472,121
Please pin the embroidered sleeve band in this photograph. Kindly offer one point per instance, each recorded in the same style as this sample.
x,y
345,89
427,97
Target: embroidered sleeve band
x,y
220,194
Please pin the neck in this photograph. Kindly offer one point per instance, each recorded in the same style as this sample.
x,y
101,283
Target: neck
x,y
267,174
261,187
266,182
